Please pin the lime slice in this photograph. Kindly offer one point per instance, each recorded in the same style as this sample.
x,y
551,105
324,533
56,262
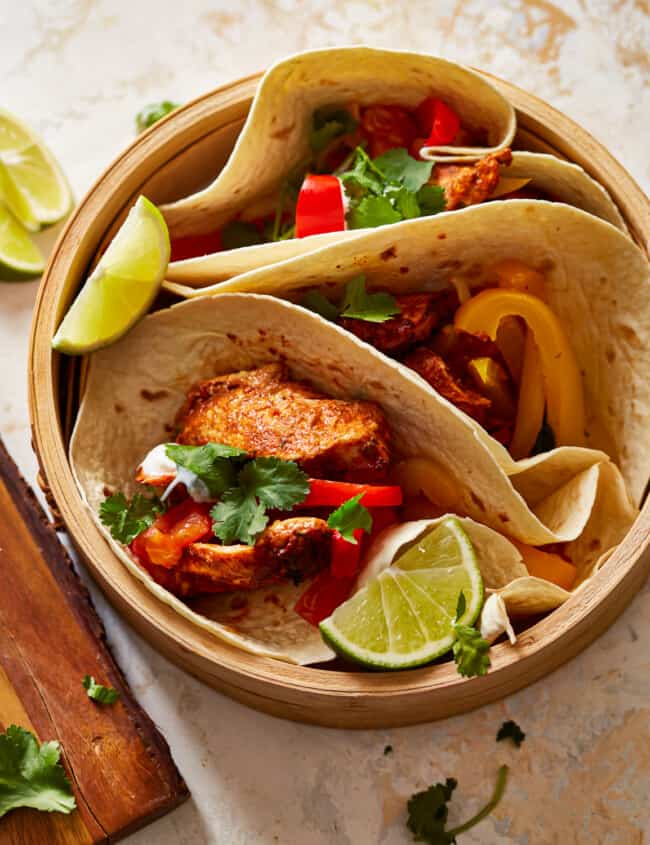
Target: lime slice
x,y
19,257
123,285
405,616
31,181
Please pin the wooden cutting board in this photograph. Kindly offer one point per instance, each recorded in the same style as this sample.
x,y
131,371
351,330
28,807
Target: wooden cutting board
x,y
120,767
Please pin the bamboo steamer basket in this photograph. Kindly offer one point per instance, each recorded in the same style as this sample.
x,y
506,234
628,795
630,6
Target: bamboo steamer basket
x,y
174,158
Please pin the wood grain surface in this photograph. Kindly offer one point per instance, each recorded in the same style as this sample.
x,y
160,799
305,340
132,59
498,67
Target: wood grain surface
x,y
120,767
164,163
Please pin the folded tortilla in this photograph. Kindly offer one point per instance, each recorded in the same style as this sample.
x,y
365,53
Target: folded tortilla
x,y
275,137
564,182
135,387
597,283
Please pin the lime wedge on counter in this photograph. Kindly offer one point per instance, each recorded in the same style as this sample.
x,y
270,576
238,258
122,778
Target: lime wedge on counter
x,y
31,181
19,258
406,615
123,285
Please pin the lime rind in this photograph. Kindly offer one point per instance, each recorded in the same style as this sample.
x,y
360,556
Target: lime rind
x,y
405,616
122,287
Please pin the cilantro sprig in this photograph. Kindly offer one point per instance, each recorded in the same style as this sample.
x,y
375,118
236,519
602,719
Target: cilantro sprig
x,y
428,811
98,692
128,518
511,730
152,113
470,650
31,774
356,304
261,485
350,517
392,187
328,124
212,463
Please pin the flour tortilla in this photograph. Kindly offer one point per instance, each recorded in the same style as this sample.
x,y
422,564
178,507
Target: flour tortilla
x,y
564,182
597,283
170,350
274,139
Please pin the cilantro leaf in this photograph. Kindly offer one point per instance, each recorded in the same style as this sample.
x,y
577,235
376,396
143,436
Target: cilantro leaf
x,y
127,519
262,483
470,651
461,606
350,516
238,517
212,463
319,304
358,304
371,211
364,175
511,730
406,204
152,113
431,199
238,233
328,124
398,166
98,692
31,775
428,811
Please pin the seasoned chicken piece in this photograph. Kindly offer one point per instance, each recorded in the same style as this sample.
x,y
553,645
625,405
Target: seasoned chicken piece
x,y
421,313
470,184
292,548
265,414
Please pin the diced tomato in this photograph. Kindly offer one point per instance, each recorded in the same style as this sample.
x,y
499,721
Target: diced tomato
x,y
437,122
387,127
346,556
323,493
163,543
195,245
320,206
323,596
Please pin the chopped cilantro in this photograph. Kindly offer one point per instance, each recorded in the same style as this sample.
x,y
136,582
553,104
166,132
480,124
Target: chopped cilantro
x,y
327,124
263,483
319,304
152,113
358,304
398,166
470,649
371,211
31,774
126,519
238,233
431,199
428,811
511,730
349,517
461,606
98,692
212,463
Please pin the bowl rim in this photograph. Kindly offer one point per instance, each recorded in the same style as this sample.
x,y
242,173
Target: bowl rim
x,y
322,696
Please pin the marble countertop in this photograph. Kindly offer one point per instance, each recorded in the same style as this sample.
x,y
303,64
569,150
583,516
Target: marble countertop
x,y
78,71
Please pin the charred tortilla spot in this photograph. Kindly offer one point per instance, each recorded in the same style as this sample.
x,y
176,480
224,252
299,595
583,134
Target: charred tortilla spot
x,y
442,236
404,270
389,253
153,395
478,502
119,409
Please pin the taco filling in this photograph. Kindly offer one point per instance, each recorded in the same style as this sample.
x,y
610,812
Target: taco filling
x,y
365,170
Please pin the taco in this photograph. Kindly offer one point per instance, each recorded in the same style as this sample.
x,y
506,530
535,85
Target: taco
x,y
476,302
268,428
349,152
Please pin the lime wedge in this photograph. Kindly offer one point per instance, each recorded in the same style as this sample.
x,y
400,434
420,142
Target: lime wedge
x,y
19,258
405,616
31,181
123,285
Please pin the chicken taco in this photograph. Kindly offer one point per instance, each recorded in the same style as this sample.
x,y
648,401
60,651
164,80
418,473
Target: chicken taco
x,y
283,457
532,318
356,138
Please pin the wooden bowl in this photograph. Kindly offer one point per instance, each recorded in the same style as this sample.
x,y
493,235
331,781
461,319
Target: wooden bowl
x,y
174,158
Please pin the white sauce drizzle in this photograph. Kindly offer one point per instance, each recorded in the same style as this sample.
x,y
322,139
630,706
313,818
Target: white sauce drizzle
x,y
157,463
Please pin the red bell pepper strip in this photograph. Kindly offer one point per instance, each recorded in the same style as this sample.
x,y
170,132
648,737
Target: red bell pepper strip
x,y
320,206
437,121
323,596
323,493
345,556
163,543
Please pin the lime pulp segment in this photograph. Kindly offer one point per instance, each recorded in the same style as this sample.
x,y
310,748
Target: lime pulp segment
x,y
20,258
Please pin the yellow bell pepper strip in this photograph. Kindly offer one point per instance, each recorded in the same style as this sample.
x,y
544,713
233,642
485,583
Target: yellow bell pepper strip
x,y
546,565
561,376
492,381
515,275
424,475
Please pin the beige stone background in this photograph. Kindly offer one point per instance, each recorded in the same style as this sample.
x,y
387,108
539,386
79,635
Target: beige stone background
x,y
78,71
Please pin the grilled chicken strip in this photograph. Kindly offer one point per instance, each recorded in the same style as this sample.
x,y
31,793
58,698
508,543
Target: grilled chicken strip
x,y
470,184
293,548
265,414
